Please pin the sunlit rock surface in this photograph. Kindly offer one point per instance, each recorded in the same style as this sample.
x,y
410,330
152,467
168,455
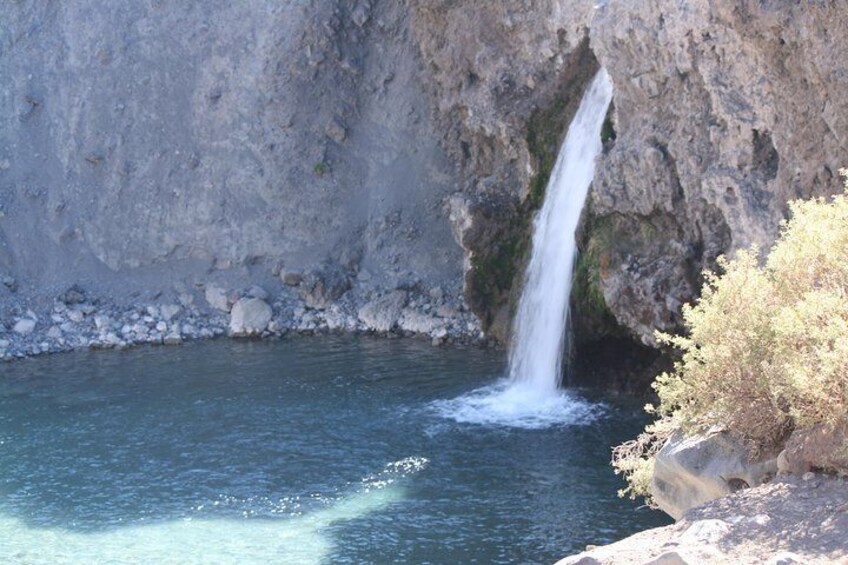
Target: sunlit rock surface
x,y
691,471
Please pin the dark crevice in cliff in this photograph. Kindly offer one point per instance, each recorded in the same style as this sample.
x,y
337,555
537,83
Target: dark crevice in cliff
x,y
766,159
617,364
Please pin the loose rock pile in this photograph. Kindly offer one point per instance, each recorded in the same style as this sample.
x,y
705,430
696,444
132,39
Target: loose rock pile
x,y
76,320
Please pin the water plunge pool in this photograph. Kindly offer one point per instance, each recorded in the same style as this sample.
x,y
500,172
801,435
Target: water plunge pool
x,y
309,450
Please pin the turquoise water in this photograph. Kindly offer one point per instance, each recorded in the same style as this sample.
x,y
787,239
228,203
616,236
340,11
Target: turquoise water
x,y
311,450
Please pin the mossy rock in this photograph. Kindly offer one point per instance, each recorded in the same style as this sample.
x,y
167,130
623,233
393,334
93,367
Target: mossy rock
x,y
590,314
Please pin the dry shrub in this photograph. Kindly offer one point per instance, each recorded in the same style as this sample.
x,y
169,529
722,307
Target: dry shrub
x,y
767,345
635,459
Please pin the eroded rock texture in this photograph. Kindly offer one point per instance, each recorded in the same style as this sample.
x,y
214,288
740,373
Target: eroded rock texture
x,y
507,77
147,142
724,111
143,143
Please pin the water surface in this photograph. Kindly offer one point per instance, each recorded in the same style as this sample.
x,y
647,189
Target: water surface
x,y
310,450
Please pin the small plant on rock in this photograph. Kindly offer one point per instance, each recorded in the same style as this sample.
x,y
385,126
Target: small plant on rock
x,y
321,168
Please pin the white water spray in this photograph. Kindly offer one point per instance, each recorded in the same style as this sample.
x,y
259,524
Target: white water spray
x,y
538,336
531,397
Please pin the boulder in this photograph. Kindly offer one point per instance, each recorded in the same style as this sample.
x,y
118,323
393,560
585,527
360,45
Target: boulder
x,y
74,295
76,316
690,471
381,314
250,316
9,282
418,322
169,311
24,326
290,278
789,520
173,338
336,131
102,322
217,298
321,288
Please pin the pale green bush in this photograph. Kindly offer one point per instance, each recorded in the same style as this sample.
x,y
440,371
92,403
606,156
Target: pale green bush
x,y
767,346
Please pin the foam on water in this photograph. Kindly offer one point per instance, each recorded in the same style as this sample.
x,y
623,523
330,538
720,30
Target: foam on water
x,y
514,405
296,540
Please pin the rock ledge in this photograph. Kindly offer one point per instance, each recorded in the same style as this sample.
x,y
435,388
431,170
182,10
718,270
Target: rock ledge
x,y
790,520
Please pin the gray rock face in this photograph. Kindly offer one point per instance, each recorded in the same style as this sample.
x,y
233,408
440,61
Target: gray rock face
x,y
163,140
320,288
691,471
250,316
382,313
723,112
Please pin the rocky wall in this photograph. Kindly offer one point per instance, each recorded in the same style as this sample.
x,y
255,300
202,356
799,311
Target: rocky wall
x,y
151,147
723,111
150,144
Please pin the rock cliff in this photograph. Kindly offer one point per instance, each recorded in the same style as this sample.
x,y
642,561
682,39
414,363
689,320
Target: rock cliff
x,y
145,143
724,111
145,146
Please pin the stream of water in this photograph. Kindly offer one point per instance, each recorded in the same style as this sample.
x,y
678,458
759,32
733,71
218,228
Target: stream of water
x,y
531,397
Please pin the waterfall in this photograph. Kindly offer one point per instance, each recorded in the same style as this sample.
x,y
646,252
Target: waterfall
x,y
530,398
539,331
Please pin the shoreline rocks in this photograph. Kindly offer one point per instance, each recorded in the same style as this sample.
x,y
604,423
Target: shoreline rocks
x,y
76,320
250,316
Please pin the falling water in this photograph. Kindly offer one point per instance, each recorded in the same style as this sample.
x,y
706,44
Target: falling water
x,y
538,336
530,398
